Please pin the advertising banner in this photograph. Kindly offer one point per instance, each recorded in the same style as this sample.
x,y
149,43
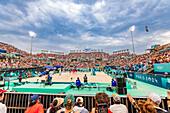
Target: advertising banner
x,y
130,75
163,67
155,80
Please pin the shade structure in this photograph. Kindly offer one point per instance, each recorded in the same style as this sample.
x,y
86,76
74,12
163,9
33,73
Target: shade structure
x,y
3,51
43,73
57,66
49,67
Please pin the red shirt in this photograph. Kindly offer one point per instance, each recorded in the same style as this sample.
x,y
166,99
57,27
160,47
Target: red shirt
x,y
109,111
37,108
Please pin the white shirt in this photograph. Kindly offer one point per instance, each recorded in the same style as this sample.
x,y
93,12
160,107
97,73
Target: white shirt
x,y
3,108
48,110
51,73
118,108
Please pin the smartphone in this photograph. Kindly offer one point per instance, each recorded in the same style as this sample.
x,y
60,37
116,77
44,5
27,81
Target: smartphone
x,y
102,108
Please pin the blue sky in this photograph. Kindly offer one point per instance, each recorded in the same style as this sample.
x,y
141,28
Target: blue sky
x,y
64,25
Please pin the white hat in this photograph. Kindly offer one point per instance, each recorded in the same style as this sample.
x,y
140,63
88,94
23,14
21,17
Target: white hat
x,y
59,101
116,97
154,97
79,99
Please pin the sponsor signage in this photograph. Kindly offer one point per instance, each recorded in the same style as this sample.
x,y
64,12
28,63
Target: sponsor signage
x,y
155,80
163,67
130,75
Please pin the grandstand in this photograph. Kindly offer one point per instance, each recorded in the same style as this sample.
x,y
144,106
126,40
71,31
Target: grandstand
x,y
142,73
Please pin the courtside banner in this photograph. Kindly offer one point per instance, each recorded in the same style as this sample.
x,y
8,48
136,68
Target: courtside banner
x,y
155,80
163,67
130,75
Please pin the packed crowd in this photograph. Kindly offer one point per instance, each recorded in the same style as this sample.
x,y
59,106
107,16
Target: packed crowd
x,y
15,58
102,104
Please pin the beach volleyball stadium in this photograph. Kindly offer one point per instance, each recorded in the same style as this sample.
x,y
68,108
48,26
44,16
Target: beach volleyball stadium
x,y
146,73
84,56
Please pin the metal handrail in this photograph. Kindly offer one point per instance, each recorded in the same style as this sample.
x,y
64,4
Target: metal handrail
x,y
16,101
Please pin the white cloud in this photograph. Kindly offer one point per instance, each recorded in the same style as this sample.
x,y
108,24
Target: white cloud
x,y
104,15
166,34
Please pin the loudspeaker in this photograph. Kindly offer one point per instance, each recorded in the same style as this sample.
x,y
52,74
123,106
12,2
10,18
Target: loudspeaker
x,y
121,90
120,84
122,80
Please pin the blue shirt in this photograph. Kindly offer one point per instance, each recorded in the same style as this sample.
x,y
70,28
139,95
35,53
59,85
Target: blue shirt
x,y
113,83
78,82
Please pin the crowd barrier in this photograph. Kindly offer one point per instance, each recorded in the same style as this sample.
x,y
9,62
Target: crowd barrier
x,y
18,102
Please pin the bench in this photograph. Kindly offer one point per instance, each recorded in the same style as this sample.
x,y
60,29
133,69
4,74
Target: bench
x,y
88,86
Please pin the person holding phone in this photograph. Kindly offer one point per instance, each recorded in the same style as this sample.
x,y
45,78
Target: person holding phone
x,y
102,103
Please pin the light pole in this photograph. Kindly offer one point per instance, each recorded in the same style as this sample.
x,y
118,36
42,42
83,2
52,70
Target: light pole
x,y
131,29
32,34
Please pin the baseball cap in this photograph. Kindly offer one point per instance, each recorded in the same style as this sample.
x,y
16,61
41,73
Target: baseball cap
x,y
2,91
79,99
59,101
116,97
35,97
68,97
154,97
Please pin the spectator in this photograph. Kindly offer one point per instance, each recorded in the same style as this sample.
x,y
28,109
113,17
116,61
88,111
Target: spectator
x,y
55,105
34,106
168,98
68,105
79,106
3,108
102,103
166,74
143,106
118,107
3,75
155,99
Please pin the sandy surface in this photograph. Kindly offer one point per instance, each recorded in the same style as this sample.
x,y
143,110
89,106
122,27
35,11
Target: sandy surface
x,y
100,77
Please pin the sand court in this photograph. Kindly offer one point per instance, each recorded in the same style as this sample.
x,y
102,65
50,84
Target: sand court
x,y
100,77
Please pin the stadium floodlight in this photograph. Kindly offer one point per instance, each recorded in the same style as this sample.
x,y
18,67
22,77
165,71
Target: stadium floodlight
x,y
131,29
32,34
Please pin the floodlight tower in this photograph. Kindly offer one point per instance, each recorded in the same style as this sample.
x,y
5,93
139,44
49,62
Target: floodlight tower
x,y
131,29
32,34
